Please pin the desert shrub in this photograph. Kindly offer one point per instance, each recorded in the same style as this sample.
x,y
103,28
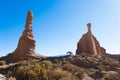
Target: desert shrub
x,y
69,67
59,74
118,70
2,63
112,78
11,78
87,77
22,73
58,63
29,75
72,68
42,75
34,70
28,71
77,71
47,63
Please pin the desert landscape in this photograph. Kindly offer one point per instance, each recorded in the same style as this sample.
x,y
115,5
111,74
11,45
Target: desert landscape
x,y
91,61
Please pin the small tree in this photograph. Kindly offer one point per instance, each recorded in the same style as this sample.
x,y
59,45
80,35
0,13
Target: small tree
x,y
69,53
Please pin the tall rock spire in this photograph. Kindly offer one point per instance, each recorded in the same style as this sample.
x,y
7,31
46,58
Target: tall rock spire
x,y
89,44
89,27
26,45
28,25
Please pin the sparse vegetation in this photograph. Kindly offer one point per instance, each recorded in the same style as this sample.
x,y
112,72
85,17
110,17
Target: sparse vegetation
x,y
39,71
65,68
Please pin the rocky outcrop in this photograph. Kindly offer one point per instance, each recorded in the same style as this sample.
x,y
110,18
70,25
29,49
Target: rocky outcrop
x,y
26,45
89,44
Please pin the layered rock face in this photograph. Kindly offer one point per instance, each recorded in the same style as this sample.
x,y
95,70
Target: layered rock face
x,y
26,45
89,44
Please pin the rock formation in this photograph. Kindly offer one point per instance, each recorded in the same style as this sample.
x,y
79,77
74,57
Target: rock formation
x,y
26,45
89,44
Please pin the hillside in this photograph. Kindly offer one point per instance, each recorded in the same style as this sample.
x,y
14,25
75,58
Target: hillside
x,y
82,67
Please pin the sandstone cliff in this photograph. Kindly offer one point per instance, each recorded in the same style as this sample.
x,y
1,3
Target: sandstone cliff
x,y
89,44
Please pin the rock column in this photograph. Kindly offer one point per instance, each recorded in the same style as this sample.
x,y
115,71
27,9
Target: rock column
x,y
26,45
89,44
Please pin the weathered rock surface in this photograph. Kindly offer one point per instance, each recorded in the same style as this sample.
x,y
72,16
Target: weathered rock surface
x,y
26,45
89,44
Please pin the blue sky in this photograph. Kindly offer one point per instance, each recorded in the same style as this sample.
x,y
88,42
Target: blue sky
x,y
59,24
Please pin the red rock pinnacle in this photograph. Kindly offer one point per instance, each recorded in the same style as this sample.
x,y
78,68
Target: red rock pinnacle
x,y
89,44
26,45
28,25
89,27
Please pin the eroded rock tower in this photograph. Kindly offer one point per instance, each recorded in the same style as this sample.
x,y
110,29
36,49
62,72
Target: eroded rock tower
x,y
26,44
89,44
